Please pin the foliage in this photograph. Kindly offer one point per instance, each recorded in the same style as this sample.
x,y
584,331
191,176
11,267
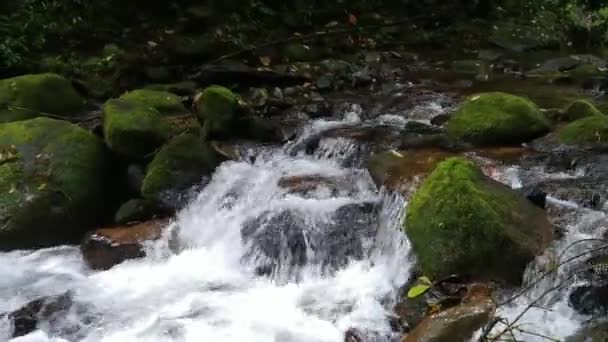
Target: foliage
x,y
423,284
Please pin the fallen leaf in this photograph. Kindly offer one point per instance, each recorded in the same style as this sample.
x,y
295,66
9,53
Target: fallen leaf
x,y
352,19
418,290
265,60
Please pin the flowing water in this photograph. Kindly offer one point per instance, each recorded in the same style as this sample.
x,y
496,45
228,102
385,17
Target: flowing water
x,y
223,272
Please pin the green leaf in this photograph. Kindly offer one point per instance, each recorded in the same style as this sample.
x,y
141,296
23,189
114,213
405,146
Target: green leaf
x,y
417,290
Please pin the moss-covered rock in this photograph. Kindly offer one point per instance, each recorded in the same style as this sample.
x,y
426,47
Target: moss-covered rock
x,y
298,52
580,109
179,165
139,122
497,119
218,111
463,222
134,210
51,182
25,97
586,131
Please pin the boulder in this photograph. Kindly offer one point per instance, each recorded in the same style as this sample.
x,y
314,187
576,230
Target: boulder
x,y
139,122
298,52
25,97
591,333
463,222
592,130
497,119
217,109
184,162
458,323
51,308
580,109
134,210
105,248
52,177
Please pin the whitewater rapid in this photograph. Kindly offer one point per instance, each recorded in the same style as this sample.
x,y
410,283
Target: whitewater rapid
x,y
199,282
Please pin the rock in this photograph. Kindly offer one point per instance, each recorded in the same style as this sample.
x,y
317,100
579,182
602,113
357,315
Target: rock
x,y
184,162
458,323
588,191
134,210
497,119
217,109
52,176
26,319
357,335
25,97
139,122
590,299
401,171
580,109
158,74
591,333
284,240
439,120
536,195
298,52
463,222
135,177
592,130
324,83
191,47
105,248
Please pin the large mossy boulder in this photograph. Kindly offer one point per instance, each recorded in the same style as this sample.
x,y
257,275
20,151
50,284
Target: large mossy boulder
x,y
184,162
25,97
580,109
587,131
139,122
463,222
51,182
497,119
218,109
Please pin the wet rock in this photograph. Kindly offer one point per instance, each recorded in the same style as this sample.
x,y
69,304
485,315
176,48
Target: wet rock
x,y
324,83
463,222
588,192
285,240
318,110
590,299
497,119
439,120
52,179
185,88
591,333
25,97
536,195
478,69
105,248
357,335
298,52
458,323
218,109
48,309
135,177
184,162
138,122
195,47
421,128
402,171
308,185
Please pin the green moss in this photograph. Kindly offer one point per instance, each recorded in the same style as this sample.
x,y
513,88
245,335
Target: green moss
x,y
132,129
298,52
497,119
180,164
140,121
462,222
581,109
587,131
165,102
25,97
217,109
52,189
133,210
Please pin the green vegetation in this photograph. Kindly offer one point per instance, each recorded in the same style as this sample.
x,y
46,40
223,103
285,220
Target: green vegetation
x,y
587,131
581,109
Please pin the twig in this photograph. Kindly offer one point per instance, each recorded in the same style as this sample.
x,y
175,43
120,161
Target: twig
x,y
537,335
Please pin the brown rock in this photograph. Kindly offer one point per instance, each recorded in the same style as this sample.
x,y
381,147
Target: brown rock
x,y
459,323
104,248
